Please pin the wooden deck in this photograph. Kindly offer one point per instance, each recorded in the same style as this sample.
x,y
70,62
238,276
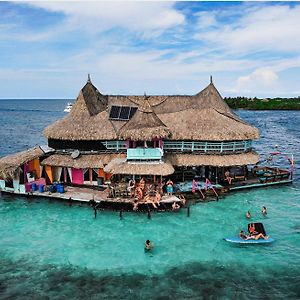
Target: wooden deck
x,y
256,183
85,194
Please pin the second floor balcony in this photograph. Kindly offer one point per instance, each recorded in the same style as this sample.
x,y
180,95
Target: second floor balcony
x,y
144,154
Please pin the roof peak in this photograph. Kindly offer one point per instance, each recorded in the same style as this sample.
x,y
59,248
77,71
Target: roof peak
x,y
146,106
89,79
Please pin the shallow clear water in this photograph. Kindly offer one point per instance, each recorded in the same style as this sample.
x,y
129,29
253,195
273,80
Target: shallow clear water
x,y
51,250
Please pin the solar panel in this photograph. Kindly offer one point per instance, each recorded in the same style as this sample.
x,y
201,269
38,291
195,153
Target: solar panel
x,y
132,111
122,113
115,112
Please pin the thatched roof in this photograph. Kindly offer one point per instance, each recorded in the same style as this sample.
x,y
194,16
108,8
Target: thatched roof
x,y
204,116
82,127
207,124
121,166
144,125
88,119
9,164
213,160
83,161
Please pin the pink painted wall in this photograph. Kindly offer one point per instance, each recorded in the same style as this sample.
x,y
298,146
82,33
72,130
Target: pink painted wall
x,y
77,176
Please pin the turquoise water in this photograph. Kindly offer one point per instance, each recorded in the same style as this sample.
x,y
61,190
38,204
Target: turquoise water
x,y
49,250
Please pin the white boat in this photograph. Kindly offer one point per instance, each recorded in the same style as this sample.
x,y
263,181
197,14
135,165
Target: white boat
x,y
68,107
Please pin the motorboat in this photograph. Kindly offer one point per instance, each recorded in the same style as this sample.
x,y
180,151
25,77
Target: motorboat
x,y
68,107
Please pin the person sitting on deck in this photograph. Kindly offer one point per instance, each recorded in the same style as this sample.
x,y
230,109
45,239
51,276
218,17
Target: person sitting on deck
x,y
131,186
182,199
169,187
175,206
142,184
264,211
139,193
228,177
151,200
157,198
248,215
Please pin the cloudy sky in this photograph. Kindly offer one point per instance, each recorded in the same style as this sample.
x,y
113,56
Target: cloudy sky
x,y
48,48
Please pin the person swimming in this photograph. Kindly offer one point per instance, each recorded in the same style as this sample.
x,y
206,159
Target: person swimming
x,y
148,246
264,211
248,215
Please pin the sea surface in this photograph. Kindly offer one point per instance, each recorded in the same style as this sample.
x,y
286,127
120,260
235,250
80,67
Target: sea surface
x,y
50,250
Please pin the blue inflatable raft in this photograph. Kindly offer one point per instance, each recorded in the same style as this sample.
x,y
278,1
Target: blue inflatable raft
x,y
238,240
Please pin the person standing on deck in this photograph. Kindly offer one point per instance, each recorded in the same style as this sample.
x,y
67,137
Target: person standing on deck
x,y
169,187
228,177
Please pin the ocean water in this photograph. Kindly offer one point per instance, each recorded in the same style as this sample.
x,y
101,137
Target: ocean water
x,y
49,250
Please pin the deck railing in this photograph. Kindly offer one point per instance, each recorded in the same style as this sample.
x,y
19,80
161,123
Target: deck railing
x,y
191,146
115,145
208,147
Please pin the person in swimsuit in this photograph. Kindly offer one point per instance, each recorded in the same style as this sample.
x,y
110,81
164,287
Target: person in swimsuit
x,y
248,215
252,230
245,237
228,177
264,211
148,245
169,185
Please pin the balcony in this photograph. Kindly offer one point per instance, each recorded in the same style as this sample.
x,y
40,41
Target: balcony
x,y
144,154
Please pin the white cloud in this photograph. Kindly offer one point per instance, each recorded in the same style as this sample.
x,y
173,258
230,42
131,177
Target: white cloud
x,y
259,28
260,79
95,17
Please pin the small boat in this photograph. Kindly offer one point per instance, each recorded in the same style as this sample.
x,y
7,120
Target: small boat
x,y
68,107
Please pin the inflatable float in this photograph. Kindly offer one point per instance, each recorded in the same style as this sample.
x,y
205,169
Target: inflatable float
x,y
253,229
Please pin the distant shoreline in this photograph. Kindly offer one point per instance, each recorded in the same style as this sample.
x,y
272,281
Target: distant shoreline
x,y
263,104
238,103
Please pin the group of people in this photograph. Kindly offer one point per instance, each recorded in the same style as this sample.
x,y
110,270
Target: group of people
x,y
149,193
263,211
253,234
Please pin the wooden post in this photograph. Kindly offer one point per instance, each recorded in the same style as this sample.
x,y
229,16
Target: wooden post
x,y
91,175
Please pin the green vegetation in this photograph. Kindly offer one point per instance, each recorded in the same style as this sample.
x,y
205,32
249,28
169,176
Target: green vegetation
x,y
263,104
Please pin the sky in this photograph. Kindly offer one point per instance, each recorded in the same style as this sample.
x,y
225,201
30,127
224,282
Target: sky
x,y
47,49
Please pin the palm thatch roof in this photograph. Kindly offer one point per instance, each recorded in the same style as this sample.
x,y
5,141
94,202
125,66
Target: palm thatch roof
x,y
88,119
213,160
207,124
83,161
121,166
204,116
144,125
9,164
82,127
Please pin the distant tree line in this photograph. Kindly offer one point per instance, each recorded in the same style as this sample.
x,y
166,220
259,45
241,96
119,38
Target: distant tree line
x,y
263,103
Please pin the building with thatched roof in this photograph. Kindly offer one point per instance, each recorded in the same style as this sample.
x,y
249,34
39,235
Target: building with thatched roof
x,y
118,135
